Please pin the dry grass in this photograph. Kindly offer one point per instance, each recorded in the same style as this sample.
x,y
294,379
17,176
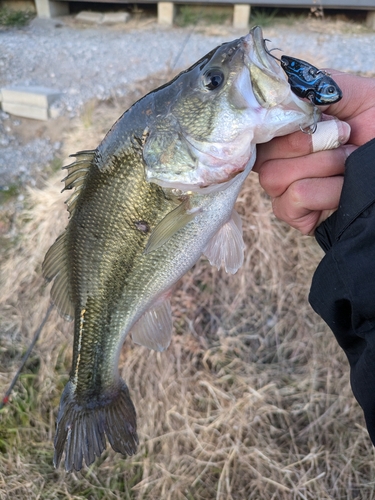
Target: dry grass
x,y
251,400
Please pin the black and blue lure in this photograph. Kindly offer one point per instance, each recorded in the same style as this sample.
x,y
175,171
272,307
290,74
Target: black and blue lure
x,y
309,82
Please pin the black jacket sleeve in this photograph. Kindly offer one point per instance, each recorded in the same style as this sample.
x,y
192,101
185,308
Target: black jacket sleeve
x,y
343,286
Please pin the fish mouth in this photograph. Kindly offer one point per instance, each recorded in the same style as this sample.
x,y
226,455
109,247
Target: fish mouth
x,y
261,53
269,83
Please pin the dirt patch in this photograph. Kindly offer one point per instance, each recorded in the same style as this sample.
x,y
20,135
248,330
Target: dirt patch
x,y
25,129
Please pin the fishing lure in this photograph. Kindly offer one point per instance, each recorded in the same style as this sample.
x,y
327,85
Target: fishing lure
x,y
309,82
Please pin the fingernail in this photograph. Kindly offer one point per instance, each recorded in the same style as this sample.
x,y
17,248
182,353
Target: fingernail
x,y
344,132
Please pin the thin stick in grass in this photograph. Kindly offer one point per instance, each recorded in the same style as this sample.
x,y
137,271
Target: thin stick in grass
x,y
37,333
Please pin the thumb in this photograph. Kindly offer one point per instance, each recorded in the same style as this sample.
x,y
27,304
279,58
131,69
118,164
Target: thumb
x,y
330,134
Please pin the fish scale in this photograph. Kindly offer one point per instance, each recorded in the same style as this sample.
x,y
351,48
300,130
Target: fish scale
x,y
120,244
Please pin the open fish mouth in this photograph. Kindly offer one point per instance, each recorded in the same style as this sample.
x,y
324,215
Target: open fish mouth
x,y
261,53
269,83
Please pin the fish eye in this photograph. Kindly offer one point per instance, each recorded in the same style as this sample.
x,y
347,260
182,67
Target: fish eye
x,y
213,78
331,89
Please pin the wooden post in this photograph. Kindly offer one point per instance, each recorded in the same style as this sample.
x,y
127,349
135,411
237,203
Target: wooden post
x,y
45,8
241,16
166,11
370,19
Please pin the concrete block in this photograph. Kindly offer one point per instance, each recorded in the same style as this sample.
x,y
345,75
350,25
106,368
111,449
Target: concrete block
x,y
115,17
241,16
370,19
40,97
28,102
86,16
166,13
48,9
25,110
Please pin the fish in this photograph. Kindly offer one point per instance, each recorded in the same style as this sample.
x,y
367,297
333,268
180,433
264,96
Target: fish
x,y
155,195
309,82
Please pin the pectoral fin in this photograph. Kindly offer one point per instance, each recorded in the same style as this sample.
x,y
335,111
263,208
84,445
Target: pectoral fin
x,y
227,246
154,328
167,227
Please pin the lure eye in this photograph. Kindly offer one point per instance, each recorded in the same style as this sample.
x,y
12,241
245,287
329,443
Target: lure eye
x,y
331,90
213,79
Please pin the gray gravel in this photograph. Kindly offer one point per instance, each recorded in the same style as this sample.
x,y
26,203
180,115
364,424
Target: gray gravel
x,y
85,62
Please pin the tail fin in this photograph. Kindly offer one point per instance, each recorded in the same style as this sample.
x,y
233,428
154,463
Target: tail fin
x,y
81,429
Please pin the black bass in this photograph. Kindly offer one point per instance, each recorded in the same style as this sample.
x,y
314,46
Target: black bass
x,y
156,194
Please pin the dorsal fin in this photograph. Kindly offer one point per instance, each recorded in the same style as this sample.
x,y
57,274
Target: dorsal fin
x,y
76,176
55,266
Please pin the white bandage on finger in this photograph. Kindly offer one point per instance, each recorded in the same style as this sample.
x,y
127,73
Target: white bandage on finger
x,y
330,134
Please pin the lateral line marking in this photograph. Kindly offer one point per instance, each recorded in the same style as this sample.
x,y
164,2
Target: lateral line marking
x,y
81,324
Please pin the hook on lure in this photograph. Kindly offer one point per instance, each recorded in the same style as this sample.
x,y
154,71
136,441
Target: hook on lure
x,y
270,50
311,129
308,82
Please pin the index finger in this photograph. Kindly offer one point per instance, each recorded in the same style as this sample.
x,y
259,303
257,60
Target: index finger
x,y
358,95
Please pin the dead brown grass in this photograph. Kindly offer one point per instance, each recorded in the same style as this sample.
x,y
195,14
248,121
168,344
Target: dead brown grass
x,y
251,400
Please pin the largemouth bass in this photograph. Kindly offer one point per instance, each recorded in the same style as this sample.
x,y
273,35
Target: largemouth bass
x,y
156,194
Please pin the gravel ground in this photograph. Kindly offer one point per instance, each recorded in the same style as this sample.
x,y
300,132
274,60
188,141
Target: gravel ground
x,y
86,62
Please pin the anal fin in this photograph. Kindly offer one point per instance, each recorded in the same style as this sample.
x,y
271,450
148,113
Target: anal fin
x,y
154,328
227,246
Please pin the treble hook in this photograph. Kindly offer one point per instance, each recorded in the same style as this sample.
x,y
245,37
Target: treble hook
x,y
311,129
270,50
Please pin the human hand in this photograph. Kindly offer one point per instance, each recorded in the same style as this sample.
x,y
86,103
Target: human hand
x,y
301,173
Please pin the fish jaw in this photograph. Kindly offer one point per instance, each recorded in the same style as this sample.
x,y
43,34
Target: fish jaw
x,y
215,129
287,112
